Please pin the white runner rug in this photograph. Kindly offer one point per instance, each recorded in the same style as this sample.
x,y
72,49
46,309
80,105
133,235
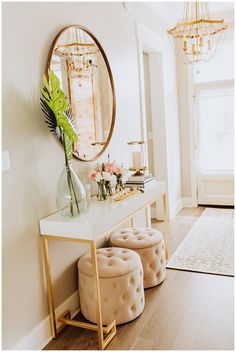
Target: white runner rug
x,y
209,246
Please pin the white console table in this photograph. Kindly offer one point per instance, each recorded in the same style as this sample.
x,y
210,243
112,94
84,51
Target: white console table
x,y
101,219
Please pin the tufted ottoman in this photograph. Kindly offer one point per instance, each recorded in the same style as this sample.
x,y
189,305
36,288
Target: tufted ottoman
x,y
150,245
121,285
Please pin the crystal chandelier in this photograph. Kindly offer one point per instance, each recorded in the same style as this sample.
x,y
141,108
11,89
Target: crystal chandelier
x,y
79,53
197,37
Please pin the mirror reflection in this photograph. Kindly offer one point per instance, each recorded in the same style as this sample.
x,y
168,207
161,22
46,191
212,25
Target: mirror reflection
x,y
80,63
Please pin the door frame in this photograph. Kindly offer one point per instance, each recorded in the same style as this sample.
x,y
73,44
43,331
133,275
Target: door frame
x,y
151,44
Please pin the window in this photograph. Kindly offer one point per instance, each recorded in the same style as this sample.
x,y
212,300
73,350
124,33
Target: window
x,y
219,68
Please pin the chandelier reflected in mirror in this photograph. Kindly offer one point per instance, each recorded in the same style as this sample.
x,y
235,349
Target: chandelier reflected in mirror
x,y
198,37
79,51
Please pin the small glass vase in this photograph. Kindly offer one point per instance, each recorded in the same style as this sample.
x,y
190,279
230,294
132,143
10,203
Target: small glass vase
x,y
119,184
108,188
102,192
71,196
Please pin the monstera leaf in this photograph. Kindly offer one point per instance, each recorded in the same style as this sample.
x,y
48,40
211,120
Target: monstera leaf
x,y
58,113
68,147
55,98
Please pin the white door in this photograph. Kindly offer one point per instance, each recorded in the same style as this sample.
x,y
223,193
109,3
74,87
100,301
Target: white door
x,y
215,145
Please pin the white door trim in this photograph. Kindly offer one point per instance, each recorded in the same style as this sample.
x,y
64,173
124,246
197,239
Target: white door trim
x,y
150,43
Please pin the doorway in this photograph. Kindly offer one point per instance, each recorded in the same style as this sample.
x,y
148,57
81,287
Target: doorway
x,y
215,144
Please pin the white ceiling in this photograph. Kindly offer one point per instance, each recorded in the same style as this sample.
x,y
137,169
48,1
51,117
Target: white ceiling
x,y
171,12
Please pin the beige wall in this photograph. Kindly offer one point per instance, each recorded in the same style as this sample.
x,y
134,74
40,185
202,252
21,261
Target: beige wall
x,y
29,188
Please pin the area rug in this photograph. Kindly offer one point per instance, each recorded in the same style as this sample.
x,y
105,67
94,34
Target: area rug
x,y
209,246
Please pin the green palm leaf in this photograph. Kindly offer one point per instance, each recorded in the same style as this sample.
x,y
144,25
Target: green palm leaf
x,y
51,120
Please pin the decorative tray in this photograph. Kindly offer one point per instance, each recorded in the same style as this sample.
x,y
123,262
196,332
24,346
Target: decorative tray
x,y
125,194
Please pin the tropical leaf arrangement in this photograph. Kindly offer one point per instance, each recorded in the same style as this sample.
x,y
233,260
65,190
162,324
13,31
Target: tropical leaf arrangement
x,y
60,122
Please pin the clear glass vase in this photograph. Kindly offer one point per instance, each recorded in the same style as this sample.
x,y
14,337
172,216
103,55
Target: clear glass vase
x,y
119,184
102,192
71,196
108,188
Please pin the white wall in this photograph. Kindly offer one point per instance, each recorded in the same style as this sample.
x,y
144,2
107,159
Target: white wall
x,y
29,188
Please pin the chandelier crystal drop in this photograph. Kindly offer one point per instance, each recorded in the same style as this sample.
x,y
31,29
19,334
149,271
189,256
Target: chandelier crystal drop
x,y
198,37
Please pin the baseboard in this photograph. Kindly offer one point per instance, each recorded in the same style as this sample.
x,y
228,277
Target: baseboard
x,y
189,202
40,336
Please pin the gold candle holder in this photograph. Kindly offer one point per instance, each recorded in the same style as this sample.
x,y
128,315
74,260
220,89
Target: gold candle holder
x,y
137,158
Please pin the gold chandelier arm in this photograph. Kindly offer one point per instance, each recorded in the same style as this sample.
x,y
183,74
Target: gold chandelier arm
x,y
186,24
75,44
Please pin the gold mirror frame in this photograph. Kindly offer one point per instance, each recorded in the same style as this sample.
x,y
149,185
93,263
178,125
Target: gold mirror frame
x,y
110,77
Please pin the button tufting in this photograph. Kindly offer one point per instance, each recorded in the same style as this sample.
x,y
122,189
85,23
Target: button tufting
x,y
133,308
132,280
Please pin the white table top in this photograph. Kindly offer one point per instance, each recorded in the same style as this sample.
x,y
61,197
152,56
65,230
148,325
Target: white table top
x,y
101,217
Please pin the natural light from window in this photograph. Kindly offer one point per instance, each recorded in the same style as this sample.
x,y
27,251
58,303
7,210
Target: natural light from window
x,y
219,68
215,129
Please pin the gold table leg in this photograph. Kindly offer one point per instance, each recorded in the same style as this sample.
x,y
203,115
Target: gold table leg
x,y
97,290
49,287
132,221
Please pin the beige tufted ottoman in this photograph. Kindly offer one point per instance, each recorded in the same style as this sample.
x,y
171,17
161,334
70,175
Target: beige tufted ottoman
x,y
150,245
121,285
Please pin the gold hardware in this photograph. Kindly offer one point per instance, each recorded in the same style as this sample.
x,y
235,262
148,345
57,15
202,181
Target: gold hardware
x,y
135,142
98,143
185,45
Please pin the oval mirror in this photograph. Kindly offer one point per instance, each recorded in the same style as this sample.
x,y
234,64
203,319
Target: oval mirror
x,y
79,61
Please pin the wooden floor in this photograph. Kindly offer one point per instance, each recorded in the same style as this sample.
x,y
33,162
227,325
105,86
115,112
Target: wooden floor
x,y
188,311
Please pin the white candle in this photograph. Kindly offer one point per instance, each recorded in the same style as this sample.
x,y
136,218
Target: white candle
x,y
137,160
